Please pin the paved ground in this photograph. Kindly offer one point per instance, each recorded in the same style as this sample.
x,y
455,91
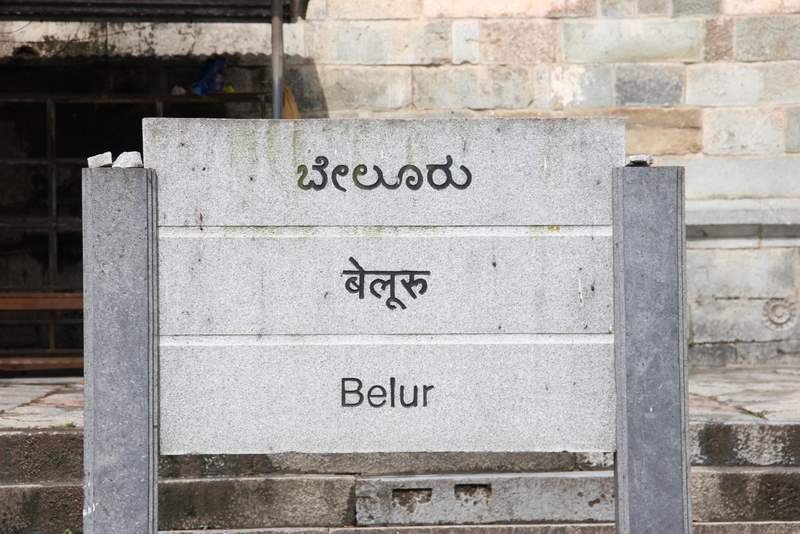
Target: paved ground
x,y
729,394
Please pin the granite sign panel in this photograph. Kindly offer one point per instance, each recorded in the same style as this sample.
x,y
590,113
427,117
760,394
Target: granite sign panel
x,y
385,286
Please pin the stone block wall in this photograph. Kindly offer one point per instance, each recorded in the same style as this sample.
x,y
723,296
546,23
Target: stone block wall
x,y
713,85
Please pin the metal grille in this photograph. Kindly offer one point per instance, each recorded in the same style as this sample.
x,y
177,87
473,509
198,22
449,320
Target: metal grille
x,y
155,10
46,142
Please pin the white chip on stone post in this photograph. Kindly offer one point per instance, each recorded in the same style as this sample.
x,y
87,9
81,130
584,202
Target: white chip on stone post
x,y
128,159
100,160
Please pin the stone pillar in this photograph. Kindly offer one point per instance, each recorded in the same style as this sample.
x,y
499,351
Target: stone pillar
x,y
121,434
652,465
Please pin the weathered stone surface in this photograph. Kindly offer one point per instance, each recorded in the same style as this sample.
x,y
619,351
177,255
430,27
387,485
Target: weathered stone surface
x,y
661,141
256,183
618,8
41,455
760,527
786,352
356,87
519,41
475,87
793,130
629,40
724,85
745,444
100,160
573,86
49,507
127,160
767,38
743,131
529,497
742,320
719,40
725,178
657,85
711,355
673,118
743,273
782,214
373,9
509,8
201,38
294,404
658,131
736,84
255,502
466,41
371,464
718,494
573,528
654,7
568,288
755,494
274,530
379,42
760,7
768,527
695,7
762,393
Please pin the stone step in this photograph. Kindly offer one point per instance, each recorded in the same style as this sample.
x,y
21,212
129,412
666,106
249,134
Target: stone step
x,y
244,502
36,456
719,494
699,528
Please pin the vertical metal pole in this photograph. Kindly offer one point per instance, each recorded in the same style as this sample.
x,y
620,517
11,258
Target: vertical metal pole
x,y
652,466
52,218
277,59
120,301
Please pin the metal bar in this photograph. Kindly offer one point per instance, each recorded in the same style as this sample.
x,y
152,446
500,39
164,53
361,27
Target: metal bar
x,y
652,467
277,59
26,301
39,363
122,98
52,212
120,437
150,10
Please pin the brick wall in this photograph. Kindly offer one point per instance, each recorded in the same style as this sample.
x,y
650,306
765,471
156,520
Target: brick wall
x,y
710,84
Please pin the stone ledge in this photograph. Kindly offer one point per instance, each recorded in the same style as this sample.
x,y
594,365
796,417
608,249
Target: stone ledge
x,y
779,527
35,456
750,211
275,503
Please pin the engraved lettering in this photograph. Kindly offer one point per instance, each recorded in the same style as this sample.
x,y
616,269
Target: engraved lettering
x,y
339,170
381,395
384,283
445,168
410,174
353,391
361,170
413,182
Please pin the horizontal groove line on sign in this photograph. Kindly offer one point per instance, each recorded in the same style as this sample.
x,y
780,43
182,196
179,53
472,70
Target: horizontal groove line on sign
x,y
386,339
170,232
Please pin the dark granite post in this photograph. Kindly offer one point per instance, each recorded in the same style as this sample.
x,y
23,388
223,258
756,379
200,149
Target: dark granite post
x,y
652,466
121,433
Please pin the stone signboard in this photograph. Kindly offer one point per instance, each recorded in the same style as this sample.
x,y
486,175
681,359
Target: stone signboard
x,y
384,286
328,286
